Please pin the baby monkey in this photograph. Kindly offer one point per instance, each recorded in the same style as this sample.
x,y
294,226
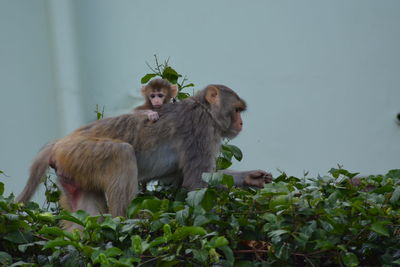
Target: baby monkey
x,y
156,93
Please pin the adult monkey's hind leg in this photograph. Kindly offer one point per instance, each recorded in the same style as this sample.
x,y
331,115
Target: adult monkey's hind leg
x,y
97,171
123,177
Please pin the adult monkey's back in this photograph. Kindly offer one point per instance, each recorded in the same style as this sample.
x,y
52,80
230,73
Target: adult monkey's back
x,y
99,165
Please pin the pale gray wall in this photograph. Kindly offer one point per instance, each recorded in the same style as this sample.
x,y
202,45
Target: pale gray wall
x,y
28,103
321,77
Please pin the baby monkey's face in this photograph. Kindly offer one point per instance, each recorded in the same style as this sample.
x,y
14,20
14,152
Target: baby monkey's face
x,y
157,99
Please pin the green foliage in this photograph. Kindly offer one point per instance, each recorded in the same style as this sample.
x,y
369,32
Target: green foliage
x,y
99,113
323,221
224,161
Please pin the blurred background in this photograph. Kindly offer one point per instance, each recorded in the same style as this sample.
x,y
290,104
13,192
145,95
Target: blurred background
x,y
321,78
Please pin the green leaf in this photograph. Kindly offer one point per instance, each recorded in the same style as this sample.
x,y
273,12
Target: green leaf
x,y
194,198
229,256
87,250
214,256
169,261
24,247
53,196
212,179
228,180
244,264
59,242
237,153
109,223
324,245
136,244
187,85
383,189
170,74
350,259
200,220
270,217
55,231
218,178
22,263
114,251
200,255
223,163
227,155
158,241
167,232
46,217
395,195
393,174
152,205
337,172
147,77
183,232
1,189
276,233
71,217
301,240
282,252
209,199
5,259
18,237
380,228
219,241
11,217
182,96
182,215
136,205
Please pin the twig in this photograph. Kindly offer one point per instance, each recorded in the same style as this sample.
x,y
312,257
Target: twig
x,y
41,237
309,261
143,263
251,251
148,65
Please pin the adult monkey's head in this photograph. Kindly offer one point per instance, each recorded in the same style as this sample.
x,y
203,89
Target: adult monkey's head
x,y
225,107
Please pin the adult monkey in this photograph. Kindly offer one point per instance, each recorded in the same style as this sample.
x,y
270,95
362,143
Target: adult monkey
x,y
99,165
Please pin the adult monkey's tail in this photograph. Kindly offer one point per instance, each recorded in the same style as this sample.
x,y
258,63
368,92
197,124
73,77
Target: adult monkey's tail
x,y
38,170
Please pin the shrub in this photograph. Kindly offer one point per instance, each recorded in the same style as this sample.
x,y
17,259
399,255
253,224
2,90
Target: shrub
x,y
324,221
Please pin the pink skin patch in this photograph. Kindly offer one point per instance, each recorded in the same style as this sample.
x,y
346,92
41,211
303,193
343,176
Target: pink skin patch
x,y
72,190
69,186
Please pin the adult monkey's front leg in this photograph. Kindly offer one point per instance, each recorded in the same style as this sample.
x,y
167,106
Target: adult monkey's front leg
x,y
256,178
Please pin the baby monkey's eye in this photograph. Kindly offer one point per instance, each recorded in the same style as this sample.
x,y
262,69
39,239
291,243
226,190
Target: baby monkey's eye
x,y
152,96
160,95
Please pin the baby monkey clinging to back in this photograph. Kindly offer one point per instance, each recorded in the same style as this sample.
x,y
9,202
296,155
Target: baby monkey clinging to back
x,y
156,93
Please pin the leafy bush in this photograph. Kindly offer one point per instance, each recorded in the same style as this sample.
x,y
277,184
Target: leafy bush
x,y
324,221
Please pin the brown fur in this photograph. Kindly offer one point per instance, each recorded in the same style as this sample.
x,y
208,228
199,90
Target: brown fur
x,y
104,160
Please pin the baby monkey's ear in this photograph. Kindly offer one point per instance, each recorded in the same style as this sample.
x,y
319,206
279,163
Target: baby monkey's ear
x,y
143,90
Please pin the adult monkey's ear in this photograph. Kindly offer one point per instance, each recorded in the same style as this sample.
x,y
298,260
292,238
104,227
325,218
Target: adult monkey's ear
x,y
174,90
213,95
